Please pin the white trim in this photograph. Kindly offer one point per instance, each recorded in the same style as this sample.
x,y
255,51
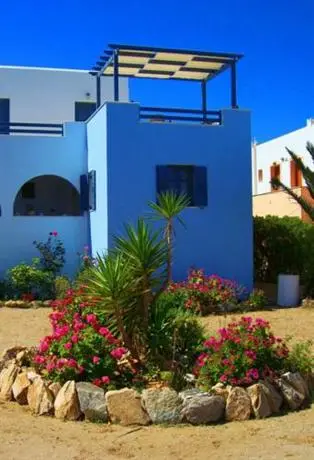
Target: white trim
x,y
13,67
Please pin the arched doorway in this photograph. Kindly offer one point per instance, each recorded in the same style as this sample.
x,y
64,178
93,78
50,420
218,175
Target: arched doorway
x,y
47,195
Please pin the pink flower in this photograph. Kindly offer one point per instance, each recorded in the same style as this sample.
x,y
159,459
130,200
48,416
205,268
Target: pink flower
x,y
111,339
104,331
117,353
39,359
61,363
105,379
68,346
97,382
56,315
91,318
75,338
43,346
50,367
223,378
80,369
253,373
250,354
78,325
71,362
96,359
61,331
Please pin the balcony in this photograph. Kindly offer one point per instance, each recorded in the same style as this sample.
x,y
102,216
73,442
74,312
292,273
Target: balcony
x,y
39,129
160,115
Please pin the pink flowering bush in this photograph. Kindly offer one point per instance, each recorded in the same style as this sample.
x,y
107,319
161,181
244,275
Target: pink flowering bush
x,y
242,353
81,347
206,293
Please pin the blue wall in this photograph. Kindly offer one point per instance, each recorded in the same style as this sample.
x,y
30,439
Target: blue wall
x,y
218,238
25,157
97,160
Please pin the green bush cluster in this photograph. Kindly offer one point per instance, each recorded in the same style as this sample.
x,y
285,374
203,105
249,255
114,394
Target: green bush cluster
x,y
284,245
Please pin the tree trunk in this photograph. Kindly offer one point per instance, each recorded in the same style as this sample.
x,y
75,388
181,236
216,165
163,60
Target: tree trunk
x,y
169,231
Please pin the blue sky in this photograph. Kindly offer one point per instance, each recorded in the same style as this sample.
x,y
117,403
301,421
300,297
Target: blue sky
x,y
275,78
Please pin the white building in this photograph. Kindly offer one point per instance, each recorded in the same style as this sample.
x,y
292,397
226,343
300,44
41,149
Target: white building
x,y
271,159
41,95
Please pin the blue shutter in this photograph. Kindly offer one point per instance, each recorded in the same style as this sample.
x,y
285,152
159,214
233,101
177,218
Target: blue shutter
x,y
84,193
4,116
92,190
200,191
162,178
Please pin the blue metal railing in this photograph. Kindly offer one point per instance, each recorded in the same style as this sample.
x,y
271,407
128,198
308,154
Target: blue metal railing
x,y
50,129
172,114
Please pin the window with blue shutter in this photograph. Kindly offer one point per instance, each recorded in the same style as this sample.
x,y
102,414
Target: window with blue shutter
x,y
200,195
84,193
92,190
188,179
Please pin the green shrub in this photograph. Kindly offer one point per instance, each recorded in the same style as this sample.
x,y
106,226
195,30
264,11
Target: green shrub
x,y
61,285
301,358
175,338
257,300
284,245
174,299
243,352
4,289
51,254
81,347
206,293
30,280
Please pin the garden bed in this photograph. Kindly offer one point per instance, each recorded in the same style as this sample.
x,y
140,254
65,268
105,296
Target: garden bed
x,y
79,400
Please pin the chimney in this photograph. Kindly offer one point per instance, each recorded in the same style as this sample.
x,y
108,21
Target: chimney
x,y
310,122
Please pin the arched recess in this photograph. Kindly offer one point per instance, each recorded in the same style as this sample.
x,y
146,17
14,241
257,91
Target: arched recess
x,y
47,195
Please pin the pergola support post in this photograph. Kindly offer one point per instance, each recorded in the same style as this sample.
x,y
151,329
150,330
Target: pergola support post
x,y
98,91
116,75
204,99
234,98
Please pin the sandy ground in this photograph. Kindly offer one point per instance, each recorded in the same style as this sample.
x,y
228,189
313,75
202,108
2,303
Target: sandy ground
x,y
25,437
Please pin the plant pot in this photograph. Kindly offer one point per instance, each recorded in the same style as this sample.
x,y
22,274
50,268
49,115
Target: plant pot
x,y
288,294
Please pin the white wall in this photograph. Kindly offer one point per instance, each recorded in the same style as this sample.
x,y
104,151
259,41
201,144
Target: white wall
x,y
97,161
25,157
42,95
274,150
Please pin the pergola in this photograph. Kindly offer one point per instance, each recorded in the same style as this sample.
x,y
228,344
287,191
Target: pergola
x,y
167,64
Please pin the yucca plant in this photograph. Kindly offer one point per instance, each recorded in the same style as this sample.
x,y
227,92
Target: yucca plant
x,y
308,175
111,282
168,209
146,254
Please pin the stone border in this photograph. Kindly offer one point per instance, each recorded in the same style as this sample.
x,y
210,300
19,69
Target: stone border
x,y
23,304
83,400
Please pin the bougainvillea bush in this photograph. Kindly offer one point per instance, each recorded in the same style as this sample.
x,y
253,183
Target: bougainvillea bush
x,y
81,347
206,293
241,354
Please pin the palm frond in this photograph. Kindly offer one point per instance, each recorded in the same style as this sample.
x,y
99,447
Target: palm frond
x,y
169,205
306,171
305,204
144,250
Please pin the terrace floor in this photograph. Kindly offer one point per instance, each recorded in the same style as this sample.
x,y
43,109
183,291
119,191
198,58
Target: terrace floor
x,y
24,437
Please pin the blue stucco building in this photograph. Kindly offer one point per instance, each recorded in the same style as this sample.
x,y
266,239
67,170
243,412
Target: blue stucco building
x,y
85,179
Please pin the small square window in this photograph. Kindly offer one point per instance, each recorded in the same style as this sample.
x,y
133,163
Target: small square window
x,y
260,175
184,179
28,190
